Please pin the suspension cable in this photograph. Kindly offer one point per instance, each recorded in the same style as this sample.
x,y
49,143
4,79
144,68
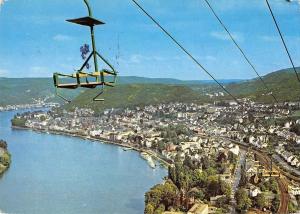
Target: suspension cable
x,y
282,39
196,61
240,49
184,50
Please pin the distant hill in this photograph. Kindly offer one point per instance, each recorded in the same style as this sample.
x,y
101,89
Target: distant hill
x,y
27,90
282,83
137,80
23,91
129,95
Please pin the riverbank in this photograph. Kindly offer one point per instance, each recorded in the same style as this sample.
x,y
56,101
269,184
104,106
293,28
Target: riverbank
x,y
5,157
126,146
27,106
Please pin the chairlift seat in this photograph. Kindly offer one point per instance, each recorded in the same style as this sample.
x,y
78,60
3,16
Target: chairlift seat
x,y
67,85
86,21
91,84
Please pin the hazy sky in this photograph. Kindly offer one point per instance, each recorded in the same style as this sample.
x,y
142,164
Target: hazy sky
x,y
36,41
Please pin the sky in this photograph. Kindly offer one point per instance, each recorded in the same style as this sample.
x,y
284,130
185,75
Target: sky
x,y
35,39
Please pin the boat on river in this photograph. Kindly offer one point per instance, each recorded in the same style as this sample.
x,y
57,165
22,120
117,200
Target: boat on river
x,y
149,159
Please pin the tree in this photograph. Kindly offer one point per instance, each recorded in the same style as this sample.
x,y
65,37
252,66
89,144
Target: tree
x,y
275,203
242,199
160,209
213,187
295,128
273,185
261,201
3,144
5,159
225,188
161,146
149,209
222,202
200,195
243,180
159,197
292,208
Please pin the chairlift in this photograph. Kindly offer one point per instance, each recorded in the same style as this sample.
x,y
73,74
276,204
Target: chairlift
x,y
81,78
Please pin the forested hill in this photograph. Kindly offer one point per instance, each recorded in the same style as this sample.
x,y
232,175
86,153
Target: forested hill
x,y
282,83
129,95
27,90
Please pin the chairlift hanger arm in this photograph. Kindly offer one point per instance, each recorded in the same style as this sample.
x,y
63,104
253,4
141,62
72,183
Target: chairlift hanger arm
x,y
106,62
89,8
76,77
86,62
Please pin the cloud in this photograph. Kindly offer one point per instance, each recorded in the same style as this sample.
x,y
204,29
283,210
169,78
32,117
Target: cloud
x,y
224,36
61,38
137,58
270,38
3,72
2,2
210,58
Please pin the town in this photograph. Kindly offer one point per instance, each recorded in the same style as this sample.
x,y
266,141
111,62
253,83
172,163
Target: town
x,y
244,157
39,104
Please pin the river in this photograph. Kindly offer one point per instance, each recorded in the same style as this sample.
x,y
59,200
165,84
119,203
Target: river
x,y
61,174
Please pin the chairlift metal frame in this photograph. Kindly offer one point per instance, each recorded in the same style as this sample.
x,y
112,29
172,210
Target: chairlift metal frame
x,y
99,75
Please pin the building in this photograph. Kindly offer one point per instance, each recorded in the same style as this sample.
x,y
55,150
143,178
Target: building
x,y
294,190
198,209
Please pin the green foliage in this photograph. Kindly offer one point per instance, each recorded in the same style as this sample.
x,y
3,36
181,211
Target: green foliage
x,y
261,201
282,83
213,187
243,180
5,159
275,203
295,128
24,90
242,199
20,122
160,209
223,203
149,209
128,96
269,185
225,188
160,197
291,207
3,144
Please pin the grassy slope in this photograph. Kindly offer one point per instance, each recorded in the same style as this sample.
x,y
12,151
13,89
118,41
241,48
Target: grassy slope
x,y
20,91
283,83
25,90
136,94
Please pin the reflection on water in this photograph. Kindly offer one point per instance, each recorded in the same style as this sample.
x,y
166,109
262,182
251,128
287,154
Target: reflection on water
x,y
58,174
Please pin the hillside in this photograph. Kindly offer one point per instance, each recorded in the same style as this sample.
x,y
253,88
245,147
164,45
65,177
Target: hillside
x,y
283,83
27,90
130,95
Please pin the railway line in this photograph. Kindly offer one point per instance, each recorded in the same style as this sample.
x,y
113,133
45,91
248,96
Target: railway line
x,y
281,180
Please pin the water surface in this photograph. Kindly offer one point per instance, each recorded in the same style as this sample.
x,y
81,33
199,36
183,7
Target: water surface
x,y
60,174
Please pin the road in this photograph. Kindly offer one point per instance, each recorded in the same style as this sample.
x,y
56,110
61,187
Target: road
x,y
237,178
282,181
